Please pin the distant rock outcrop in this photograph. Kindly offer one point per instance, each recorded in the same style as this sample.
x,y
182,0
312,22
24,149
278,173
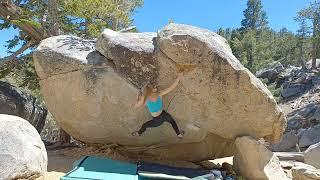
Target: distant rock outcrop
x,y
271,72
91,88
15,102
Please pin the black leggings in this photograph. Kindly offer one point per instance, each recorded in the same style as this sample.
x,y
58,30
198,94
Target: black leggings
x,y
157,121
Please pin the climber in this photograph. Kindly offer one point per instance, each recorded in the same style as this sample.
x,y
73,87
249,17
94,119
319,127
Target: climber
x,y
152,98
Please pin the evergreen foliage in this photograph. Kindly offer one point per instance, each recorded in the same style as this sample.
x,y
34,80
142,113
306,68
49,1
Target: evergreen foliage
x,y
37,20
256,45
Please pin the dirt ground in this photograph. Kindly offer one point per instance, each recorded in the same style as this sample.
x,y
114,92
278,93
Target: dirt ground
x,y
60,161
58,164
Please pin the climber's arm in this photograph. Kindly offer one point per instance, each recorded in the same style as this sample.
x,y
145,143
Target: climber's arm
x,y
140,101
174,85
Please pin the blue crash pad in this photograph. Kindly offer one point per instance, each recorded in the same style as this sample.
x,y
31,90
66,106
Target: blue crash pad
x,y
96,168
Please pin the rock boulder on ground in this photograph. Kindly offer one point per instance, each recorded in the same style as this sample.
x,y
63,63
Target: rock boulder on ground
x,y
301,171
304,117
22,153
292,89
287,142
15,102
309,63
91,95
254,161
310,136
312,155
271,72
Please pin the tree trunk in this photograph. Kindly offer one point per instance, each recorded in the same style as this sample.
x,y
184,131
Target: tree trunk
x,y
250,58
10,11
302,62
53,17
314,58
55,31
314,45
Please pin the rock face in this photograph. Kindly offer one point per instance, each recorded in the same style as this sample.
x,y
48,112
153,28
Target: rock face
x,y
301,171
216,101
310,136
296,81
309,63
132,54
254,161
292,89
287,142
17,103
312,155
305,117
22,153
271,72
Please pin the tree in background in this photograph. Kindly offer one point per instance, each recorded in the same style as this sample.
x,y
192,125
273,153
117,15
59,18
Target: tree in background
x,y
256,45
91,16
286,47
254,16
37,20
312,14
303,33
248,42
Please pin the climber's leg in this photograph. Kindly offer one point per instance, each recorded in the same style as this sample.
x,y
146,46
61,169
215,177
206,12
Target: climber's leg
x,y
173,123
155,122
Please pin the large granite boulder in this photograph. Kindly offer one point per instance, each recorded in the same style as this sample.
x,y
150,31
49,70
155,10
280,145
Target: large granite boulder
x,y
306,116
287,142
15,102
310,136
312,155
22,153
301,171
217,100
254,161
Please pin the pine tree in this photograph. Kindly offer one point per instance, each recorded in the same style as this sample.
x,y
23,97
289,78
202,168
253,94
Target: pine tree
x,y
37,20
312,13
256,45
254,16
303,32
254,22
315,9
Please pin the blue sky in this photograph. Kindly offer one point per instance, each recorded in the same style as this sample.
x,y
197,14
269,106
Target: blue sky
x,y
213,14
210,14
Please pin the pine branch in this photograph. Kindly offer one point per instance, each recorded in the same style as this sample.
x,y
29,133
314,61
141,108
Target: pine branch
x,y
12,13
17,53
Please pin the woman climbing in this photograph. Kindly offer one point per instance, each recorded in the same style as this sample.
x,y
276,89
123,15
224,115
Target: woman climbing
x,y
153,100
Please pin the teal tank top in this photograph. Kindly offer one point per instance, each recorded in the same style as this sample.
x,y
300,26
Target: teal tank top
x,y
154,106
